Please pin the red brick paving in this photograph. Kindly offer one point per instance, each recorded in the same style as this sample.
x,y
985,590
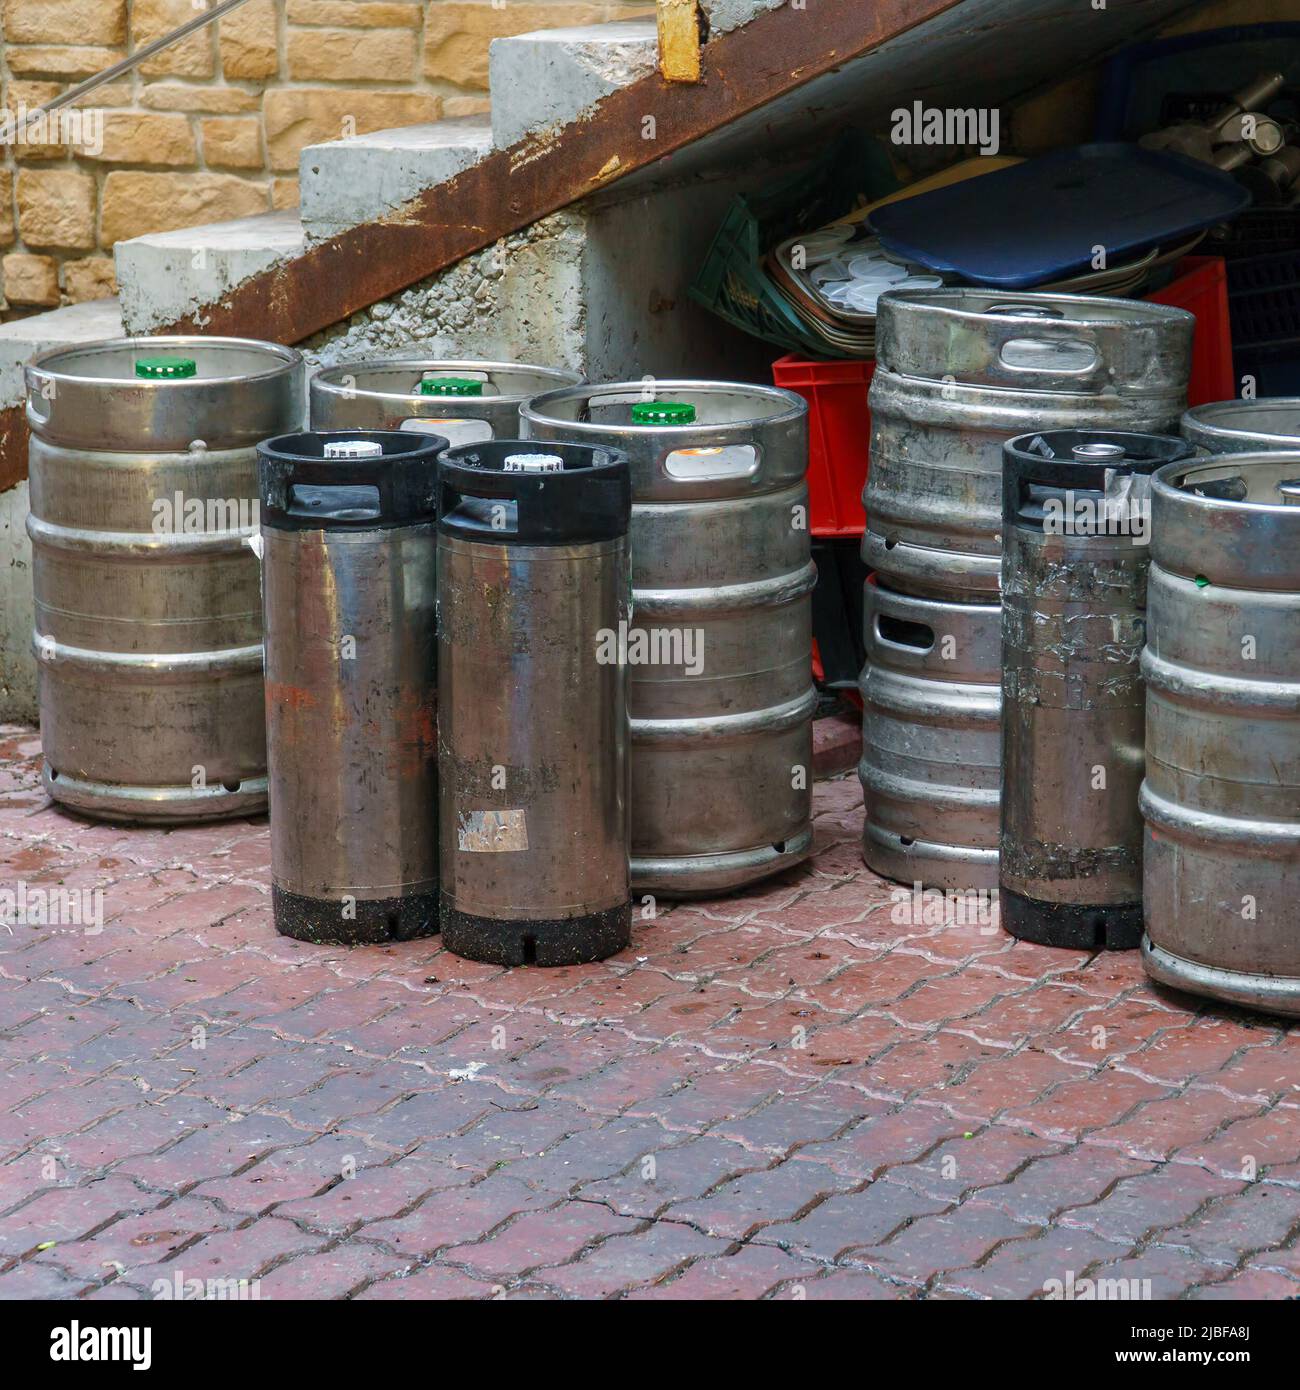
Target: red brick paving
x,y
783,1094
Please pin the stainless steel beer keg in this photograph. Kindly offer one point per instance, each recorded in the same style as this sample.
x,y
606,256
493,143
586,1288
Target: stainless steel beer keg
x,y
463,401
1222,792
1240,427
148,634
719,650
931,764
1076,526
958,373
349,594
532,710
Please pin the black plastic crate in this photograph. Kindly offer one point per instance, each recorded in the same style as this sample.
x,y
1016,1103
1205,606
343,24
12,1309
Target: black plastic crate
x,y
1255,232
1264,302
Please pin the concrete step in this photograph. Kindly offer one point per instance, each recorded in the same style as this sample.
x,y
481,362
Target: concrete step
x,y
172,275
20,341
542,81
347,182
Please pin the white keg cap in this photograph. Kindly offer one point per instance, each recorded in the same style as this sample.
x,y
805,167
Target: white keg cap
x,y
353,449
533,463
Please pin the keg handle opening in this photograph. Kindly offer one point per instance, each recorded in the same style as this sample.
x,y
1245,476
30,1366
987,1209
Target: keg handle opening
x,y
902,633
1056,350
1060,357
337,502
458,429
711,464
38,404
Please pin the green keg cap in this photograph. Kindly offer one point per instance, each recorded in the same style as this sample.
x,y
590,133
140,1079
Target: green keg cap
x,y
165,368
450,386
663,413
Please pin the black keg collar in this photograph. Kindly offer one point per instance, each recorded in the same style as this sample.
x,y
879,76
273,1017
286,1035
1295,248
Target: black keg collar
x,y
349,479
1053,463
534,492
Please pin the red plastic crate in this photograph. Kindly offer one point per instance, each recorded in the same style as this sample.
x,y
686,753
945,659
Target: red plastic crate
x,y
839,434
839,421
1201,287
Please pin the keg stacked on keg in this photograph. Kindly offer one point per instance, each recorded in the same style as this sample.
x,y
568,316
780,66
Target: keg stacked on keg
x,y
958,372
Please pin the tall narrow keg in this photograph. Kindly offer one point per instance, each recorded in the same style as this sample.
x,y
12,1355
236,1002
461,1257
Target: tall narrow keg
x,y
1243,427
1222,792
931,742
961,371
349,592
148,633
719,649
463,401
532,709
1076,527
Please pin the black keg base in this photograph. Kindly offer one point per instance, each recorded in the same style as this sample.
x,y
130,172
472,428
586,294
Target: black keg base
x,y
1094,928
375,922
539,941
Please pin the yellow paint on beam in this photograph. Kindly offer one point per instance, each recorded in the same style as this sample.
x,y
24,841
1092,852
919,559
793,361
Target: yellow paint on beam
x,y
679,40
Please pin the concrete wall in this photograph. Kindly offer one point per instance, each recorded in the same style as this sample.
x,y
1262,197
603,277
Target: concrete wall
x,y
17,667
599,287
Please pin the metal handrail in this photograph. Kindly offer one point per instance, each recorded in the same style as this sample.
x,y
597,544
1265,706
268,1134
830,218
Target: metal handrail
x,y
133,60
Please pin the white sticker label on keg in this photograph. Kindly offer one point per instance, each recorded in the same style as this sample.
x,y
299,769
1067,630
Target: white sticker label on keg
x,y
492,832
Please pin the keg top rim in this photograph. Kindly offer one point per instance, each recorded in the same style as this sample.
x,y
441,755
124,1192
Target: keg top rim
x,y
1215,418
663,389
1106,311
351,375
1171,478
47,363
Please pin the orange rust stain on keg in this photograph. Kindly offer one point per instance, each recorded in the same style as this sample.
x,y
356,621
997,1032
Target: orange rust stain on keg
x,y
417,734
288,697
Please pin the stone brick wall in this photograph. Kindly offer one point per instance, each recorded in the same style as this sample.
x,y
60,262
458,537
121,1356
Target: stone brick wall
x,y
211,128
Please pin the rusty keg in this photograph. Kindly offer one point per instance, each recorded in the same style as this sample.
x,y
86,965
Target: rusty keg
x,y
1075,530
532,706
1221,799
719,643
349,596
148,633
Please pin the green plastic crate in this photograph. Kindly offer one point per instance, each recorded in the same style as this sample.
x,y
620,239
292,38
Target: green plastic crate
x,y
732,283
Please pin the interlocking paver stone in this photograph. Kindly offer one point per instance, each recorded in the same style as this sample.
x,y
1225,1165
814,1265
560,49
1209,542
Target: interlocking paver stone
x,y
796,1091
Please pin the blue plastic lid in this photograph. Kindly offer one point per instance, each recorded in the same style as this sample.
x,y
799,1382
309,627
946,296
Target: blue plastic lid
x,y
1042,220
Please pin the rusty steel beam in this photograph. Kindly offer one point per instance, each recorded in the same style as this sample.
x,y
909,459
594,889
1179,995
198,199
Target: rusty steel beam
x,y
13,446
743,70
